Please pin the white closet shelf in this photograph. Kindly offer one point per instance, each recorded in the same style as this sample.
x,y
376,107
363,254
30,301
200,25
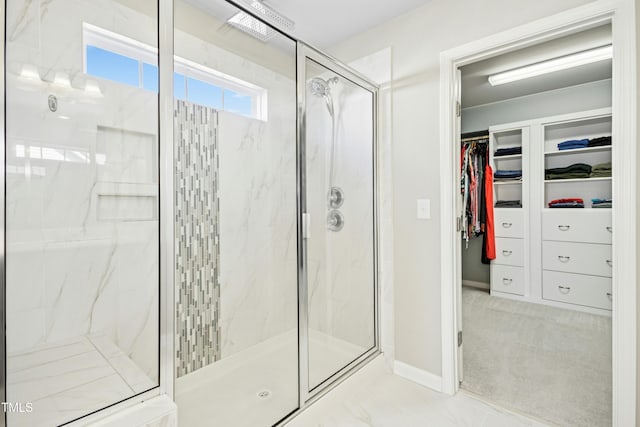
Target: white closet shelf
x,y
506,182
510,156
578,150
564,181
586,208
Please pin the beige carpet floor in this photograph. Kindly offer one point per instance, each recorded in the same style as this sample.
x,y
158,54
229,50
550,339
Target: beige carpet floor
x,y
551,363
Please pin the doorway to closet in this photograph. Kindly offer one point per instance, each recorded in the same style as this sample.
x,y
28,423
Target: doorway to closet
x,y
535,215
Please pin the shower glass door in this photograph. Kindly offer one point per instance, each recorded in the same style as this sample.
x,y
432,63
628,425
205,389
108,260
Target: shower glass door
x,y
82,207
339,208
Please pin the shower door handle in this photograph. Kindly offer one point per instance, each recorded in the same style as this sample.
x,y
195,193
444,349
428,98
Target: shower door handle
x,y
306,225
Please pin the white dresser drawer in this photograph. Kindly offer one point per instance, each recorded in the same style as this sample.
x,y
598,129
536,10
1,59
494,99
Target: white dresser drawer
x,y
505,278
509,251
508,222
592,291
583,258
579,225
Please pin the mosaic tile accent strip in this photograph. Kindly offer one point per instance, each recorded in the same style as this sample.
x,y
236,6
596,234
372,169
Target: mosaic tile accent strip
x,y
197,237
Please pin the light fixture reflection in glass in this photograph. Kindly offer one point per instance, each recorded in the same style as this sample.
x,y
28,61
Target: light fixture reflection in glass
x,y
30,72
92,88
62,80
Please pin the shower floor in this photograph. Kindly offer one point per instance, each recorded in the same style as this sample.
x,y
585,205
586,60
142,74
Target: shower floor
x,y
227,392
66,380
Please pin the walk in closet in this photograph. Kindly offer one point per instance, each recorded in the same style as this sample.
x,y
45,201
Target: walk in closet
x,y
536,249
552,186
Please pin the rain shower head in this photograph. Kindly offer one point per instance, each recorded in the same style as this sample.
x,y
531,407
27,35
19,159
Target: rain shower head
x,y
256,28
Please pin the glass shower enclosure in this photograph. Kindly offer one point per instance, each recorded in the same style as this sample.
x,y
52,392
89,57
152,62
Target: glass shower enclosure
x,y
188,212
338,281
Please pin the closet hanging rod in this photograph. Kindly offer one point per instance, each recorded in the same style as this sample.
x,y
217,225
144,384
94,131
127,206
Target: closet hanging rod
x,y
478,139
470,136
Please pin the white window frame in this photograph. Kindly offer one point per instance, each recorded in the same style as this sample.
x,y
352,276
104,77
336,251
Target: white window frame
x,y
143,53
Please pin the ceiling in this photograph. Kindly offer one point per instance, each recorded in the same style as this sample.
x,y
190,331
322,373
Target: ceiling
x,y
327,22
476,89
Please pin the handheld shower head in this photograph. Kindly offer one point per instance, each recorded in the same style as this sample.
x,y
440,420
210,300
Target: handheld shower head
x,y
322,87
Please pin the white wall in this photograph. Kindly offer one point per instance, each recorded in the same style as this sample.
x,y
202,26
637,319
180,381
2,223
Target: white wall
x,y
417,38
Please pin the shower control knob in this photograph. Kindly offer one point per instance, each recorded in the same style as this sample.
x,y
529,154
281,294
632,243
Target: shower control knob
x,y
336,197
335,220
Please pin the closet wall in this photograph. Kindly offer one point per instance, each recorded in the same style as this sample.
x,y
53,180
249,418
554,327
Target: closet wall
x,y
582,97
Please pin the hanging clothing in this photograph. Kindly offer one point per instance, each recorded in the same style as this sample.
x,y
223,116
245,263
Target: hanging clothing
x,y
489,241
477,195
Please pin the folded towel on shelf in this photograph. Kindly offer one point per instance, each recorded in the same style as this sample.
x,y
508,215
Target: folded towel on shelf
x,y
600,141
517,179
601,205
508,204
575,202
601,170
576,170
507,151
573,144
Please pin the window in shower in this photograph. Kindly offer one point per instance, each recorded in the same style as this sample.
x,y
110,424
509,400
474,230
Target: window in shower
x,y
114,57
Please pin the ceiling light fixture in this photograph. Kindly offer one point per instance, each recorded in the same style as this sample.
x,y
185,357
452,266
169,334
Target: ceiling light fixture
x,y
256,28
556,64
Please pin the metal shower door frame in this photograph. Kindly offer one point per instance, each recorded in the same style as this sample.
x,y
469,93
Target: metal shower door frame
x,y
304,52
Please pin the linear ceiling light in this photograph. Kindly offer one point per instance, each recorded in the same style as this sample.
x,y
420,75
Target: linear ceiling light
x,y
555,64
256,28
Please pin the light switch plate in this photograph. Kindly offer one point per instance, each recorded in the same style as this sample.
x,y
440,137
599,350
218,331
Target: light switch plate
x,y
423,208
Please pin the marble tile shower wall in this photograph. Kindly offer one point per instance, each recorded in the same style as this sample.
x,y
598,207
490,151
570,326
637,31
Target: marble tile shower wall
x,y
258,264
82,190
197,238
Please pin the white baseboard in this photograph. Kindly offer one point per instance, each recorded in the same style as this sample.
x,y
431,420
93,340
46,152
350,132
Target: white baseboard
x,y
418,376
474,284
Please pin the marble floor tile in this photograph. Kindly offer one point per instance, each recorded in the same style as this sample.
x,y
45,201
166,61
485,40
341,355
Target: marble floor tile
x,y
374,396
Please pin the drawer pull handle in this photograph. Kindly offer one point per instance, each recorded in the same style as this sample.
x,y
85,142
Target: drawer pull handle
x,y
506,281
610,229
610,263
506,252
507,224
564,289
563,258
609,295
564,227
